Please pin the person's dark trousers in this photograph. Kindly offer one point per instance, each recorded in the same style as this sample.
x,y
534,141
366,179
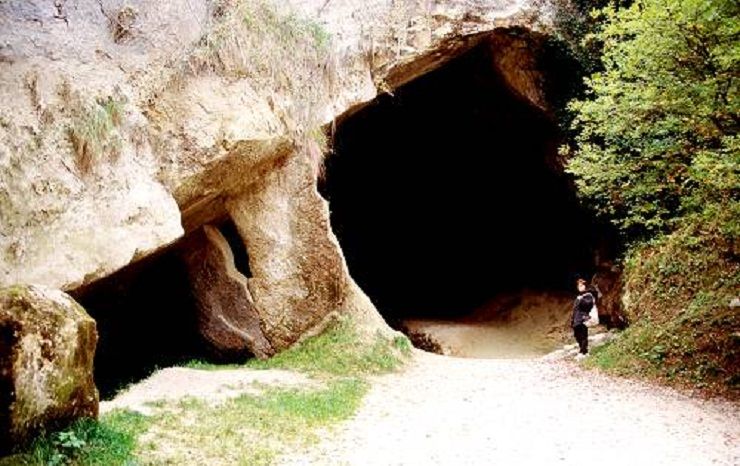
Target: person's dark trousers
x,y
580,331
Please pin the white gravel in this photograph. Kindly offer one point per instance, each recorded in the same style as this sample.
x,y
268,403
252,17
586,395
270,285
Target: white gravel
x,y
452,411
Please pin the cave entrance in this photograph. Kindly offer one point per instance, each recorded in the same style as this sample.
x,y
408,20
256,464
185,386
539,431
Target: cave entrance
x,y
450,204
147,316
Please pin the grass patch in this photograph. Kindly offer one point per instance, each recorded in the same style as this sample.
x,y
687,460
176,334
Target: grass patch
x,y
110,441
340,351
249,430
95,134
204,365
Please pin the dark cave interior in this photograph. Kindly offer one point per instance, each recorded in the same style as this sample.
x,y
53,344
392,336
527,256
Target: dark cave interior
x,y
449,192
443,196
147,317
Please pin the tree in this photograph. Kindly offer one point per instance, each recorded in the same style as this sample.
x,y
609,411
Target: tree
x,y
657,131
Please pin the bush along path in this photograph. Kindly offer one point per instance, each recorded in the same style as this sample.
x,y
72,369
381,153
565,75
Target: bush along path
x,y
656,152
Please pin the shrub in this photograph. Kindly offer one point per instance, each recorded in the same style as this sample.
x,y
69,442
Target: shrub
x,y
657,133
95,133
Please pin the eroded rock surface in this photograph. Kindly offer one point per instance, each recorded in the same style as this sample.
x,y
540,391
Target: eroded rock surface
x,y
299,274
128,124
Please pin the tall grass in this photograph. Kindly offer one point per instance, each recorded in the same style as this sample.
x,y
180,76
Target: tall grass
x,y
283,54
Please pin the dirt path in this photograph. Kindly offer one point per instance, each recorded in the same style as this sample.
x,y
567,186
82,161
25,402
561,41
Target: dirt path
x,y
455,411
214,386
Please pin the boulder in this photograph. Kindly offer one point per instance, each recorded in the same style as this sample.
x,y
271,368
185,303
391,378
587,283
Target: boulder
x,y
227,317
47,346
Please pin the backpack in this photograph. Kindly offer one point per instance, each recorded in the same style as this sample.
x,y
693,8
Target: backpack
x,y
593,314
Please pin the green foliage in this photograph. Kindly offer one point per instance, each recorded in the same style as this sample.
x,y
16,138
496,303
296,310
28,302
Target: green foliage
x,y
679,289
575,25
95,134
571,53
657,152
340,351
657,133
110,441
312,407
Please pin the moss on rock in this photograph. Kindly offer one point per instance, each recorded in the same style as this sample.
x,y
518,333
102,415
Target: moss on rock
x,y
47,346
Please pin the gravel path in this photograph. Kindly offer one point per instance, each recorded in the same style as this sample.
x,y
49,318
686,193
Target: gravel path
x,y
455,411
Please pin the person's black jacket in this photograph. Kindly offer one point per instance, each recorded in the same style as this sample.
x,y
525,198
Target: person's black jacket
x,y
582,306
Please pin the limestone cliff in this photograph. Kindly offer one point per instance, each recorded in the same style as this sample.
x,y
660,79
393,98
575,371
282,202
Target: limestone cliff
x,y
126,124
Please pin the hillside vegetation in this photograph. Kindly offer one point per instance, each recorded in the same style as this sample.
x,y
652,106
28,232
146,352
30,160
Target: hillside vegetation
x,y
656,151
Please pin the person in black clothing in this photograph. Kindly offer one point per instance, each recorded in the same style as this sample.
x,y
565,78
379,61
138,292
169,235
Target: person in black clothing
x,y
581,307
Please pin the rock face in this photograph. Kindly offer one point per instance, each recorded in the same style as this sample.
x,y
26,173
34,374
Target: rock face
x,y
47,345
127,124
79,196
515,60
297,264
227,318
611,312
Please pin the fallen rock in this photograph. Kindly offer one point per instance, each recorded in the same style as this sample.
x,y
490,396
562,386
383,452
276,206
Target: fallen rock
x,y
227,317
47,346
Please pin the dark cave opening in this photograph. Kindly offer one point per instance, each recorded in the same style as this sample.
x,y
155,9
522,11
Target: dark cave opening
x,y
449,192
147,316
